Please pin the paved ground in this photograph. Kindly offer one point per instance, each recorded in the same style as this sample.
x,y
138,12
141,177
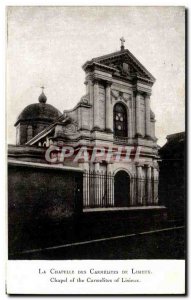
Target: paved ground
x,y
154,244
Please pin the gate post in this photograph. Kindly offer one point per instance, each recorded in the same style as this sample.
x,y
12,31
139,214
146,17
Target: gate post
x,y
96,184
139,185
110,183
86,184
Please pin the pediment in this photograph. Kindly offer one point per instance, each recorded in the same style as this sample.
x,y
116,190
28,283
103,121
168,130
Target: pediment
x,y
124,64
124,68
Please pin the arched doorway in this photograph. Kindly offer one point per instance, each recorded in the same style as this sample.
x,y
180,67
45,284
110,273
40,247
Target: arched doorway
x,y
122,189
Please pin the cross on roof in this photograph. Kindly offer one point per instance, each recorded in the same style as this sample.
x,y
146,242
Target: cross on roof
x,y
42,87
122,43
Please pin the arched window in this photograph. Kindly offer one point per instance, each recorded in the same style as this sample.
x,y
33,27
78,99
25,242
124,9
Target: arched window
x,y
120,120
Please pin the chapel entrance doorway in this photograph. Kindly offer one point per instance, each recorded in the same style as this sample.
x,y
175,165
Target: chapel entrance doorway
x,y
122,189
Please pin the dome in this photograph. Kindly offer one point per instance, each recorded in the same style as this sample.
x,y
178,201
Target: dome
x,y
39,112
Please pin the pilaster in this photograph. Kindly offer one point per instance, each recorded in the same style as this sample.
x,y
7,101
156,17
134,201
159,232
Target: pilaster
x,y
109,114
147,115
137,114
155,185
139,184
130,122
133,190
96,106
149,185
91,91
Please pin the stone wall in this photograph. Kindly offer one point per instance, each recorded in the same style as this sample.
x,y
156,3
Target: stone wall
x,y
39,198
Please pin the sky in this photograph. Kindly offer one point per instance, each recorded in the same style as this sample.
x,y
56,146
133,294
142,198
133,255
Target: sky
x,y
48,46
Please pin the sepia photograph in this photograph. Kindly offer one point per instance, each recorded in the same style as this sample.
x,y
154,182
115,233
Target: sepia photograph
x,y
96,133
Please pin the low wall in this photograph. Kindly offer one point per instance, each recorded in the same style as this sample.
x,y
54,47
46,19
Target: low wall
x,y
40,196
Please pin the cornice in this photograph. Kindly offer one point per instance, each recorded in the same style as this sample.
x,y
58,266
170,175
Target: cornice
x,y
95,65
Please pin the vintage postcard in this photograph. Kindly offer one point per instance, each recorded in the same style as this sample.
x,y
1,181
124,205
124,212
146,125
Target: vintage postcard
x,y
96,150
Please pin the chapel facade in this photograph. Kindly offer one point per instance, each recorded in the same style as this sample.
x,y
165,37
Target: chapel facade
x,y
115,113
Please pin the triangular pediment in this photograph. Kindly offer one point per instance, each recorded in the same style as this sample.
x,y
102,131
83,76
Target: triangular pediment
x,y
124,63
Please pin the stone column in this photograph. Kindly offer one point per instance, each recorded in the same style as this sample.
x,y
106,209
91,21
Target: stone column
x,y
138,119
109,115
96,105
147,114
149,185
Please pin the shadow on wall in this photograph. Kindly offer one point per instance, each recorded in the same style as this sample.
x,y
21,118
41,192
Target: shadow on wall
x,y
39,199
172,189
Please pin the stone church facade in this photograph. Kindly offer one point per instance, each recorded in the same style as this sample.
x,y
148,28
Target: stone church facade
x,y
114,112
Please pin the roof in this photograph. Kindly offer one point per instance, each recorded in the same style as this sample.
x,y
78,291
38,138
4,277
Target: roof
x,y
176,136
174,148
39,111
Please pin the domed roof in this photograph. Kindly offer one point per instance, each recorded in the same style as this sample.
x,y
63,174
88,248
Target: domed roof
x,y
39,112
